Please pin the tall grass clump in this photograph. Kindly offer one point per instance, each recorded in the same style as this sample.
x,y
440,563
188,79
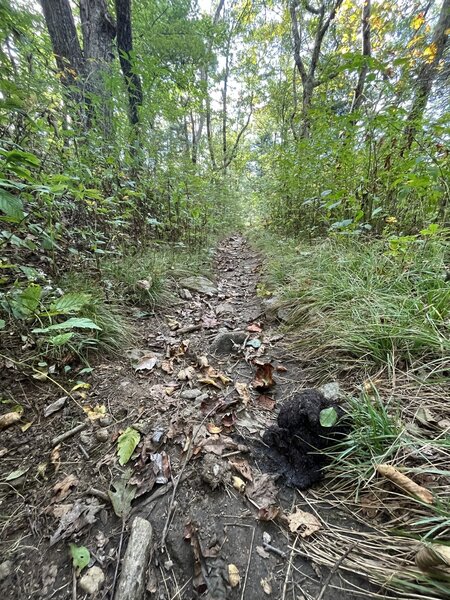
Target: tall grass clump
x,y
148,277
350,300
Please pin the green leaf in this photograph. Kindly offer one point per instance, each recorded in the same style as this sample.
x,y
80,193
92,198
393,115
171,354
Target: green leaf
x,y
28,300
61,339
121,494
70,303
73,323
328,417
11,206
2,324
16,474
126,444
80,556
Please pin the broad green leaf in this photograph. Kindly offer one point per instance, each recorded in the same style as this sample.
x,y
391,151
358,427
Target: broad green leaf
x,y
328,417
126,444
2,324
121,494
80,556
74,323
61,339
11,206
29,299
69,303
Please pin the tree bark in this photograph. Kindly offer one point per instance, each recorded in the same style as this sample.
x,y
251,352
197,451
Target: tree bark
x,y
66,46
427,74
98,30
125,48
366,53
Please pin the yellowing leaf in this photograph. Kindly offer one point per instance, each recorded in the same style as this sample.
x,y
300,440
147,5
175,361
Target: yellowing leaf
x,y
233,575
430,53
96,412
209,381
418,21
80,386
303,522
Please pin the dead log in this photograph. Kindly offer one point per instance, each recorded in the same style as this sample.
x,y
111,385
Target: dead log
x,y
135,562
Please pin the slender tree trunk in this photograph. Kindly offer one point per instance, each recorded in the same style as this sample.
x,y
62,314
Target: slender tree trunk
x,y
225,107
125,48
66,46
427,73
366,52
99,31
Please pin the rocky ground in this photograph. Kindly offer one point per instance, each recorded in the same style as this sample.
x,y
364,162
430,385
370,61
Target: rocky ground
x,y
184,412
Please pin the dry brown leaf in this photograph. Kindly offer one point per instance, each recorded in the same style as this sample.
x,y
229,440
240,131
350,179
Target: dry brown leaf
x,y
265,402
63,488
303,523
233,575
263,490
203,362
209,381
9,419
186,374
263,378
268,513
55,457
254,328
95,412
266,586
405,483
243,391
432,557
262,553
242,467
213,428
167,366
147,362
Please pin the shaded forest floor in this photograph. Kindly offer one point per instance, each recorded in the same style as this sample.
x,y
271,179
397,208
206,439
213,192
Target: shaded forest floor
x,y
196,474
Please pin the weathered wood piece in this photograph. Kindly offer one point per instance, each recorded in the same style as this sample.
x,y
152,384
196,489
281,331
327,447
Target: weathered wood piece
x,y
134,566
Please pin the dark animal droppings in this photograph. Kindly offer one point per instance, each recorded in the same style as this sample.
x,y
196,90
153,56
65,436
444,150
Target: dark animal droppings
x,y
294,444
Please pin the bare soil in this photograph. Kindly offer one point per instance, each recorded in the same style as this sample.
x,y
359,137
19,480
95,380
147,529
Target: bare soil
x,y
201,443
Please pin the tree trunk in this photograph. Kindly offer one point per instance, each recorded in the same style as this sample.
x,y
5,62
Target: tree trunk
x,y
125,48
427,74
99,31
66,46
366,52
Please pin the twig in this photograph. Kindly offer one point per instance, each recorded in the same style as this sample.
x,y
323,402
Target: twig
x,y
178,478
98,494
119,552
248,563
336,566
83,451
64,436
289,567
188,329
74,584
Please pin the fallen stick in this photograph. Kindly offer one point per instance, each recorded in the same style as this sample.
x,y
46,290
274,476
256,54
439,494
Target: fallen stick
x,y
188,329
405,483
135,563
64,436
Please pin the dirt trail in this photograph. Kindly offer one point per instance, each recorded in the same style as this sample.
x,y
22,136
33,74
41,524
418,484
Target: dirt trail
x,y
193,424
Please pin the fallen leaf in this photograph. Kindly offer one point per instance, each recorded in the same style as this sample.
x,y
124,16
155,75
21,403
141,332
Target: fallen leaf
x,y
209,322
55,406
127,443
203,362
212,428
242,467
263,377
243,391
209,381
262,490
265,402
147,362
173,324
81,514
55,457
254,328
234,578
268,513
266,586
63,488
9,419
81,385
261,552
80,557
238,484
122,494
95,412
303,523
280,369
186,374
167,366
16,474
26,426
